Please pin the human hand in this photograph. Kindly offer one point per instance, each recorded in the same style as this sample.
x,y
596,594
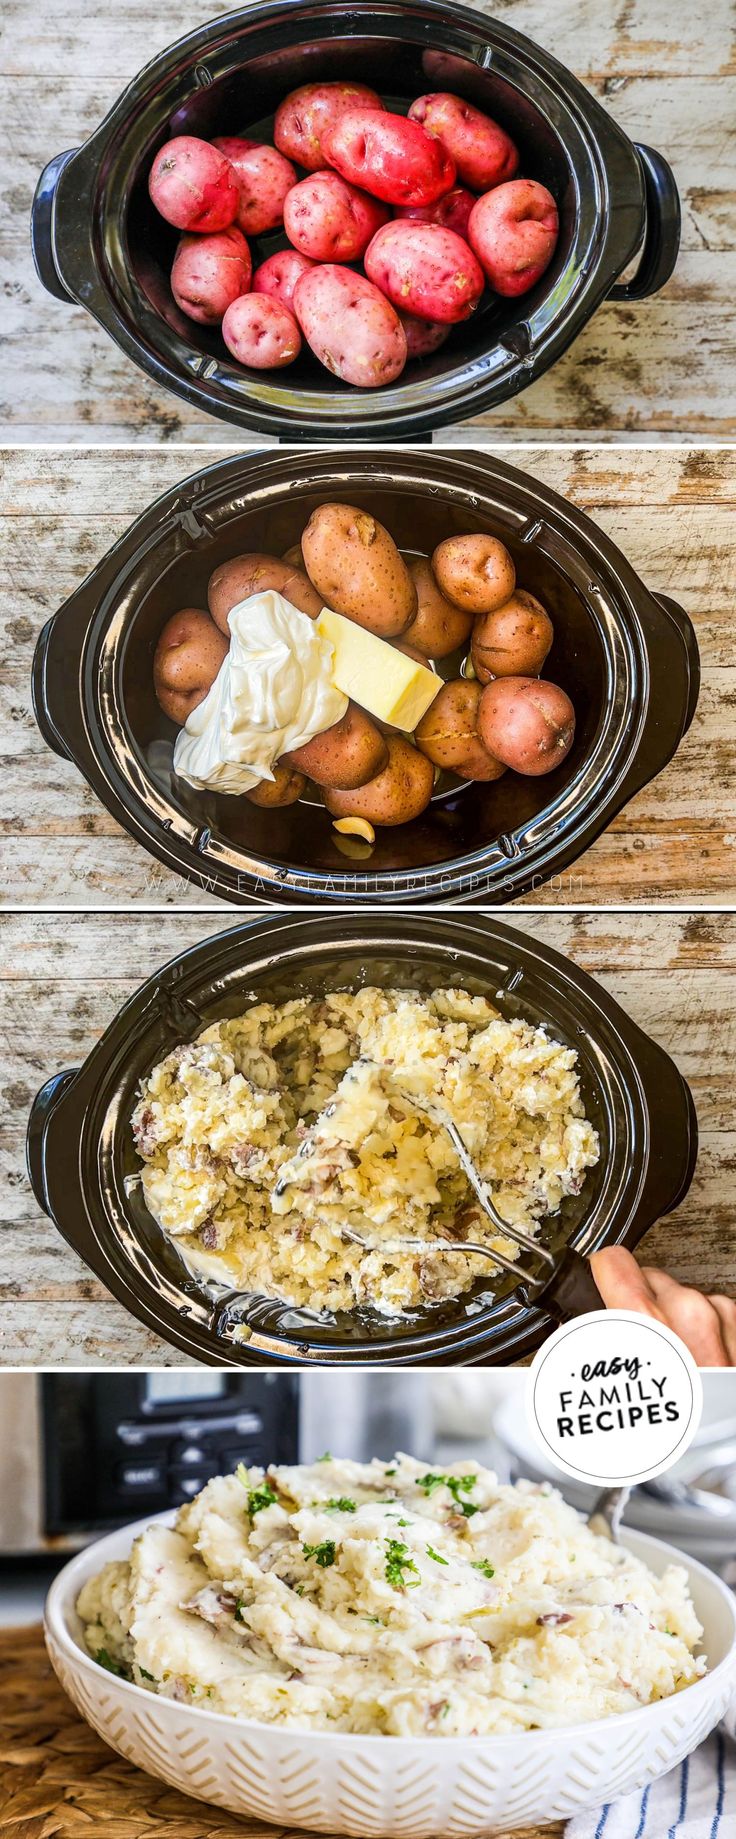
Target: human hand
x,y
706,1324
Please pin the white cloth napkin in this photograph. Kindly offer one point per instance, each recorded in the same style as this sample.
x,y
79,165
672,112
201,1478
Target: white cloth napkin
x,y
696,1801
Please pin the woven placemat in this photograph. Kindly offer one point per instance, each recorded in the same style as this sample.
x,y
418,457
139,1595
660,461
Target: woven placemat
x,y
58,1780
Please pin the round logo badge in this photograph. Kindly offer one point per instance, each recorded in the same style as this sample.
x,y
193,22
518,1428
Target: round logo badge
x,y
614,1398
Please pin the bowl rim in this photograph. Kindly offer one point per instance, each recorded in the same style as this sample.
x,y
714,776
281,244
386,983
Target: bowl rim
x,y
60,1601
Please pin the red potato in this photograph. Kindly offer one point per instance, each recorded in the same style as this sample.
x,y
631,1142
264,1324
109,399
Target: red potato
x,y
209,273
264,178
475,572
427,271
284,789
526,722
439,627
193,186
448,733
483,153
423,336
346,755
452,211
350,326
303,117
261,332
398,794
278,275
514,641
331,221
389,156
254,573
514,231
186,661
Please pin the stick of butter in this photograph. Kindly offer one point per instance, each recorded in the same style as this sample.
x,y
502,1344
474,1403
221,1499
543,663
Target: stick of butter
x,y
383,680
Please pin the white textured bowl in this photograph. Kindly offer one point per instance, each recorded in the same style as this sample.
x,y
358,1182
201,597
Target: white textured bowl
x,y
397,1787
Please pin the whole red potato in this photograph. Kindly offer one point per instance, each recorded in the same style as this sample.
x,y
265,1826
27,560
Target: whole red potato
x,y
188,656
514,231
514,641
425,270
264,178
527,723
448,733
209,273
389,156
483,153
261,332
278,275
452,211
193,186
350,326
304,115
331,221
423,336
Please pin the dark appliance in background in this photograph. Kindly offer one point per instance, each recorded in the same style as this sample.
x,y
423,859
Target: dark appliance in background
x,y
116,1446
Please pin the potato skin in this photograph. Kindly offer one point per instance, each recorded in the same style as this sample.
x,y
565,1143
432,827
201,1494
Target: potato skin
x,y
439,627
513,231
356,566
192,185
526,722
350,326
422,336
397,794
514,641
448,733
264,178
474,572
389,156
278,275
426,270
304,115
452,211
186,661
294,557
209,273
253,574
284,789
344,756
261,333
483,152
331,221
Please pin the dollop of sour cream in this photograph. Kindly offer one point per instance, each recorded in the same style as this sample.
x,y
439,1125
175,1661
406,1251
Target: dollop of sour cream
x,y
273,692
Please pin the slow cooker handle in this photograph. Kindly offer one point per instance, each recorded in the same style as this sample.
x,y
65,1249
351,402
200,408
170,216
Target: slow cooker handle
x,y
55,692
674,659
42,226
45,1107
570,1291
662,231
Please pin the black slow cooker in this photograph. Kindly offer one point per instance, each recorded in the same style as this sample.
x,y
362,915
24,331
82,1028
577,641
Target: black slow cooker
x,y
628,659
97,239
83,1164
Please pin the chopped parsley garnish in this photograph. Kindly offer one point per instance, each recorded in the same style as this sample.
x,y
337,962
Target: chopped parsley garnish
x,y
403,1522
239,1607
484,1565
298,1589
145,1675
398,1561
431,1553
111,1666
324,1553
341,1505
390,1473
327,1457
457,1484
261,1497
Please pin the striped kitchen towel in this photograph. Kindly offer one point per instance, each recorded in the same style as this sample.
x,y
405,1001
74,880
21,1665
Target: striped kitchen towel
x,y
696,1801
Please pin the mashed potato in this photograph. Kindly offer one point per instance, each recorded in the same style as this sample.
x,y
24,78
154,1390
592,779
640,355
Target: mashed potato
x,y
394,1600
281,1138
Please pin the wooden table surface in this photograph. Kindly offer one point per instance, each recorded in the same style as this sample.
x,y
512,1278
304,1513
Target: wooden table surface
x,y
63,978
58,1780
659,369
670,509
